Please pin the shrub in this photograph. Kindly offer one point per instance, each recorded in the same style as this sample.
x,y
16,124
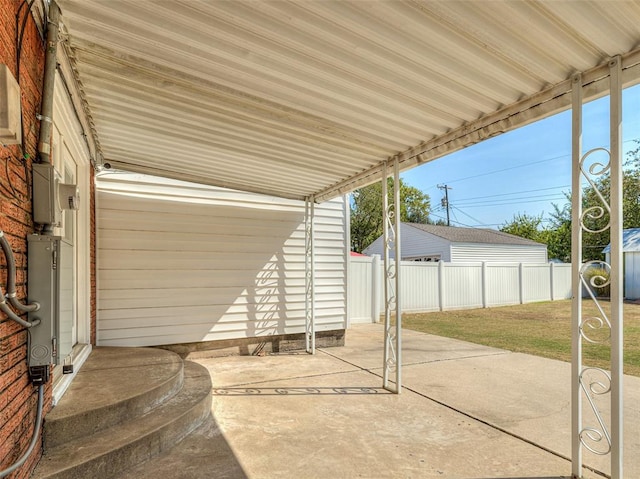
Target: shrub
x,y
595,276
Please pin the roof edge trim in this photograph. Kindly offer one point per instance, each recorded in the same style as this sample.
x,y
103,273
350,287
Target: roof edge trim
x,y
540,105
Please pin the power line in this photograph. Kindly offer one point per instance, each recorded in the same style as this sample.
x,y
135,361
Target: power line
x,y
514,193
506,201
522,165
508,168
490,205
467,215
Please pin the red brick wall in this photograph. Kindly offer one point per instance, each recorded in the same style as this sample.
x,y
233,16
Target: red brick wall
x,y
17,396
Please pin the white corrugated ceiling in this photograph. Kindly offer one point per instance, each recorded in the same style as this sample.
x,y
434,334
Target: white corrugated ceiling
x,y
299,98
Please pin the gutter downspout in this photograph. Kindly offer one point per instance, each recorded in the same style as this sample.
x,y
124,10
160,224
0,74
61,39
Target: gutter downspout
x,y
50,65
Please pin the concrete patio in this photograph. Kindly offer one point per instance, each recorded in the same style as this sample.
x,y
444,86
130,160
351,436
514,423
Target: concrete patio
x,y
466,411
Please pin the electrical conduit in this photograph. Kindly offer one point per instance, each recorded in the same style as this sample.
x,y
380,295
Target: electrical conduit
x,y
34,438
44,151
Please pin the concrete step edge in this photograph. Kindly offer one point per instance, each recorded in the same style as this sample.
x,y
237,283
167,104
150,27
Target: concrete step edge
x,y
67,425
111,451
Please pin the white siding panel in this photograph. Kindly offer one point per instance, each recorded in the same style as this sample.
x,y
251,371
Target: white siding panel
x,y
462,286
502,284
179,262
498,253
632,275
414,243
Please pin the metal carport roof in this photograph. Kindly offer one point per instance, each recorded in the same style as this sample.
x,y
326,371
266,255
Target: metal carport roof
x,y
301,98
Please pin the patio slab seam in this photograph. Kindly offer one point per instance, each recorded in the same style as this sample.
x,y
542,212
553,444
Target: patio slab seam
x,y
468,415
418,363
288,378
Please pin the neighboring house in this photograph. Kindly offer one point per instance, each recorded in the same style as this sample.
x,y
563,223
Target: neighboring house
x,y
461,245
631,253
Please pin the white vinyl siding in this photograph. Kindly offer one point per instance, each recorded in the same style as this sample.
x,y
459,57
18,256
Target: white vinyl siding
x,y
415,243
497,253
631,275
179,262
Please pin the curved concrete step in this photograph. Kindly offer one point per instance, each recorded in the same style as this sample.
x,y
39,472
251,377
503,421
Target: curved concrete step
x,y
111,451
114,385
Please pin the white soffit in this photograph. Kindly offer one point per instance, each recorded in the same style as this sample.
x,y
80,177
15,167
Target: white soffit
x,y
304,98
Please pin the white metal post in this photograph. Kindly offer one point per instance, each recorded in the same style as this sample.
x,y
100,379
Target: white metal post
x,y
576,284
591,382
347,258
310,305
386,266
391,234
398,265
615,275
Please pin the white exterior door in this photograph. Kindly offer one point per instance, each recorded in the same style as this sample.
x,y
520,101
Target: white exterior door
x,y
70,157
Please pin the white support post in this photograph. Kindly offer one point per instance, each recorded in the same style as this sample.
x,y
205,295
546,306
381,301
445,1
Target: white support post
x,y
391,234
576,283
615,276
386,266
347,258
484,285
521,282
398,264
598,437
310,305
551,281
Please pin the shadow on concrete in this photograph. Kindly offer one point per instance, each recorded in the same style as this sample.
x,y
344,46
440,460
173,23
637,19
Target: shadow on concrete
x,y
527,477
302,391
203,454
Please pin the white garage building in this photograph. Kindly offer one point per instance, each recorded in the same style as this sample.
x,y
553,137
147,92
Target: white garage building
x,y
450,244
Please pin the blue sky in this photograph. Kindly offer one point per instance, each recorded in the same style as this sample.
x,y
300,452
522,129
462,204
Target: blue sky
x,y
523,171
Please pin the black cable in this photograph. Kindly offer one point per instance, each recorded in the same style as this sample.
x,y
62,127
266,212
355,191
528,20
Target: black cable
x,y
467,215
20,32
18,196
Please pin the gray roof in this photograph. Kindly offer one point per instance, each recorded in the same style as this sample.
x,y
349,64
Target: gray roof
x,y
457,234
630,241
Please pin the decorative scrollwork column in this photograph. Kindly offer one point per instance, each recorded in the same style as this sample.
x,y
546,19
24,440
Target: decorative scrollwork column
x,y
309,276
592,383
391,240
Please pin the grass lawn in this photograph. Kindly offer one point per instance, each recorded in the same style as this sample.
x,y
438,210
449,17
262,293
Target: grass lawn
x,y
543,329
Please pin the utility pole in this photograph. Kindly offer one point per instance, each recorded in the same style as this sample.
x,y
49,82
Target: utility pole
x,y
445,200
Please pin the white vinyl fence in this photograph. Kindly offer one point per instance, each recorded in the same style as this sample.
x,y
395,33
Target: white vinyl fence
x,y
444,286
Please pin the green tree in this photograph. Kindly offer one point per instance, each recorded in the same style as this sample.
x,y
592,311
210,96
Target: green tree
x,y
524,225
366,211
559,233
